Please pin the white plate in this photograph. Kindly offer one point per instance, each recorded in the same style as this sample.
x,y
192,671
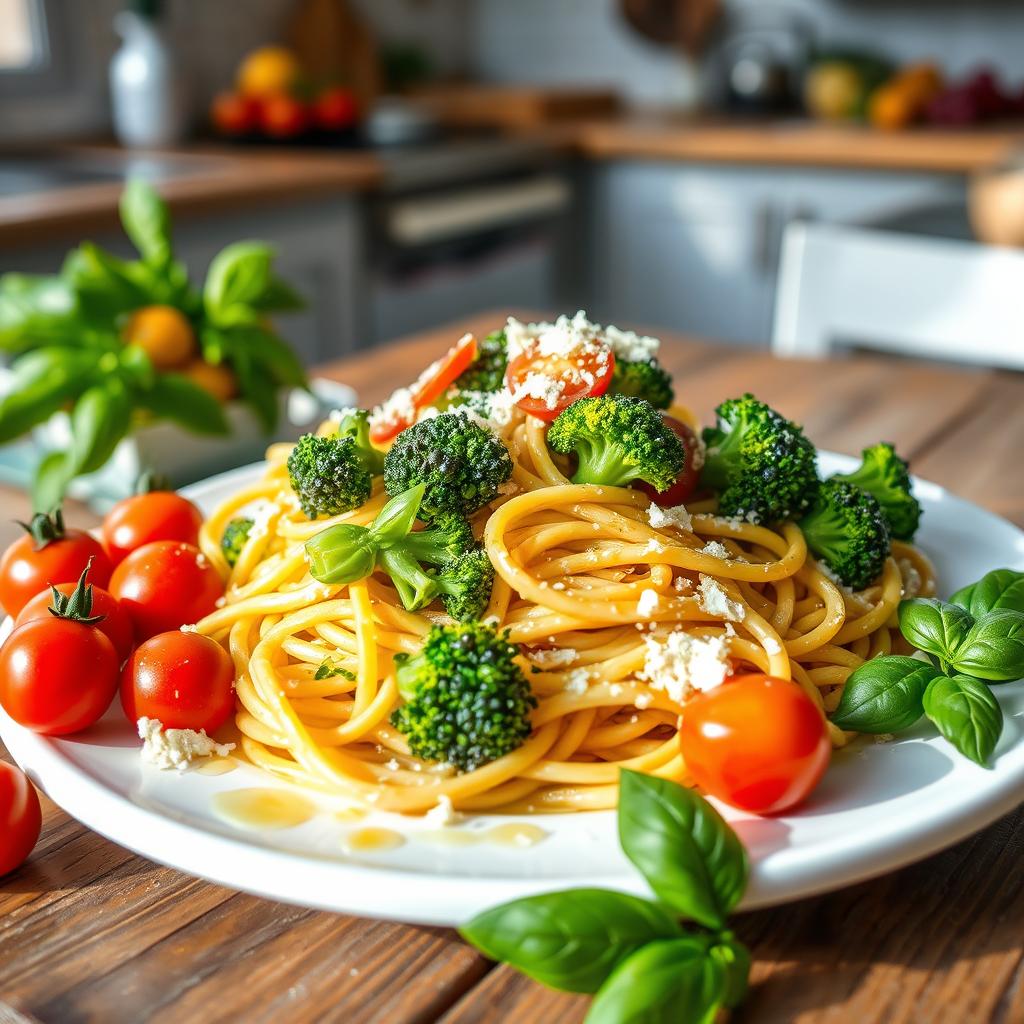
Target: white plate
x,y
879,807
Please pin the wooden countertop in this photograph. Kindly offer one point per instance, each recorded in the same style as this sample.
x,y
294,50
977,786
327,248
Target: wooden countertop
x,y
91,933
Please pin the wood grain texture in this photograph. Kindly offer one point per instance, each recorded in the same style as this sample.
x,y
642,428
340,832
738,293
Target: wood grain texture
x,y
92,933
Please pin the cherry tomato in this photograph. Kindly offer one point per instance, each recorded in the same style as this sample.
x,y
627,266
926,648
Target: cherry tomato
x,y
682,490
283,117
432,384
335,109
57,676
584,375
21,819
47,554
185,680
756,742
116,624
144,518
165,585
234,114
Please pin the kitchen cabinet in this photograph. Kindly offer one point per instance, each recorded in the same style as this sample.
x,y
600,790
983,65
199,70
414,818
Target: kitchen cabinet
x,y
695,247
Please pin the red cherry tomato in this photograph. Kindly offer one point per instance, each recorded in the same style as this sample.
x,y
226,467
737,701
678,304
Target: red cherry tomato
x,y
335,110
57,676
583,375
235,114
165,585
183,679
682,490
756,742
144,518
432,384
29,566
21,819
284,117
116,624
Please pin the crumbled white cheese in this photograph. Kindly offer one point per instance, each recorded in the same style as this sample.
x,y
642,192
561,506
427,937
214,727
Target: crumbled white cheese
x,y
501,408
715,601
189,627
911,578
552,657
442,813
176,748
676,515
682,584
654,546
715,548
577,681
772,646
392,765
644,700
680,663
337,415
558,585
648,603
400,408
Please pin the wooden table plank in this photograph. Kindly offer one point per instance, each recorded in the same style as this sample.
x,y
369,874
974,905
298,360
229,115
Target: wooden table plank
x,y
89,932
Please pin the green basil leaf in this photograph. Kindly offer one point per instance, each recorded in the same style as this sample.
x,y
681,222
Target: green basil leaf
x,y
176,398
146,222
279,297
43,380
673,981
37,311
1000,588
239,274
99,422
690,857
106,287
257,389
994,647
569,940
965,712
933,626
734,959
266,349
50,482
884,695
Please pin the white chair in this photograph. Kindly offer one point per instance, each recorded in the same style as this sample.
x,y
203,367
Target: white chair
x,y
930,297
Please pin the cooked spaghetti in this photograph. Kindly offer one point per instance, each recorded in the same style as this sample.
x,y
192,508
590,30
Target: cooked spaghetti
x,y
621,610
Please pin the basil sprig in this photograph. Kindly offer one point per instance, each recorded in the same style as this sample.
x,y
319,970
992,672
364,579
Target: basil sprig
x,y
642,962
974,640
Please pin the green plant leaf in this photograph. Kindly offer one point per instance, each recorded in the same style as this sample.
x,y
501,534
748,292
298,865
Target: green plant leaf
x,y
50,482
569,940
37,311
279,297
884,695
268,351
965,712
1000,588
239,275
257,389
674,981
147,222
174,397
690,857
734,959
106,287
994,647
99,422
43,380
933,626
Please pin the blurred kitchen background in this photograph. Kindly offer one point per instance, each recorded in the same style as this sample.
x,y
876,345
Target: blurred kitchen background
x,y
810,173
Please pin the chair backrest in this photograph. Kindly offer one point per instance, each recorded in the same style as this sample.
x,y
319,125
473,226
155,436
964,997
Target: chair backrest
x,y
930,297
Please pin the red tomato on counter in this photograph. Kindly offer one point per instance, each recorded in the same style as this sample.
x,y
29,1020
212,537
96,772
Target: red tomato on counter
x,y
21,819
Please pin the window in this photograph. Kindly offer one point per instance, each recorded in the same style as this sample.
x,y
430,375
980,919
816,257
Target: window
x,y
22,36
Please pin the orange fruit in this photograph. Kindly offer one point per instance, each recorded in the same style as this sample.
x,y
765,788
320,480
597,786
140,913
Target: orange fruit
x,y
268,71
218,381
163,333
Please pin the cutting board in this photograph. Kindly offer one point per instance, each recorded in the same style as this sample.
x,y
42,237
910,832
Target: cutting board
x,y
514,106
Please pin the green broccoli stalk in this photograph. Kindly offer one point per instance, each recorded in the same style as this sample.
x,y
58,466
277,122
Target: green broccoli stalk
x,y
461,464
885,476
442,561
762,466
467,701
846,528
618,440
487,371
331,475
234,537
643,379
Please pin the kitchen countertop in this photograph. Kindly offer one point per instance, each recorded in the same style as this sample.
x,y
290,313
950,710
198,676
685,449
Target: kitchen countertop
x,y
90,932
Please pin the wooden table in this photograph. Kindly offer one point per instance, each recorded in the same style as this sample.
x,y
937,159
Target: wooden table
x,y
90,932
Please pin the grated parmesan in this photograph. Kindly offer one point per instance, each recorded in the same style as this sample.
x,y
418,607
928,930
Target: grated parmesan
x,y
577,681
176,748
648,603
677,516
553,657
715,548
715,601
681,663
442,813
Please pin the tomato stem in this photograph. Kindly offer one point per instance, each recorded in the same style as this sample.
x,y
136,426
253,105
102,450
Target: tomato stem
x,y
76,606
44,529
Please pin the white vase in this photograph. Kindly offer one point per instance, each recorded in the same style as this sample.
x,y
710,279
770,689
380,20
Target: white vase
x,y
146,86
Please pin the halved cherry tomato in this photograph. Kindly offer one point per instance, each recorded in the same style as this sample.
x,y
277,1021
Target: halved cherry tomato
x,y
57,676
185,680
21,819
48,553
587,374
144,518
166,585
756,742
682,490
431,385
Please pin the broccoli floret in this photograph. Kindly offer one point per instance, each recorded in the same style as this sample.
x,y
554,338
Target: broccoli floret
x,y
643,379
465,584
846,528
461,463
884,475
355,423
447,537
487,371
467,702
618,440
233,539
761,464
